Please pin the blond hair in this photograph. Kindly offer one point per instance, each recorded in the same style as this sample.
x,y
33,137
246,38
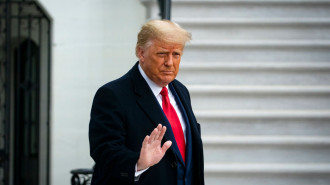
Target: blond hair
x,y
162,30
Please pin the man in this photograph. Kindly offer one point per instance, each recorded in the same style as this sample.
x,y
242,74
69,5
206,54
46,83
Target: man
x,y
148,100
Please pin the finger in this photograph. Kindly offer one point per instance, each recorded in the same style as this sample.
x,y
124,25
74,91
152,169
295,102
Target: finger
x,y
166,146
162,133
145,141
159,127
153,135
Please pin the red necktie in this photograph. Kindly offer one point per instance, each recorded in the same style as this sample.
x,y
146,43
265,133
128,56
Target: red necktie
x,y
175,122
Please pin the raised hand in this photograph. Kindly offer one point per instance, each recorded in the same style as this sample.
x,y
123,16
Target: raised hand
x,y
152,151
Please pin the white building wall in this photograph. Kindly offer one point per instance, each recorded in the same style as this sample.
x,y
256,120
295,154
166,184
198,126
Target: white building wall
x,y
93,43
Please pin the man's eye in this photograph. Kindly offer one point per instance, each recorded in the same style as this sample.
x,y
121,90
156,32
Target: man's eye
x,y
161,54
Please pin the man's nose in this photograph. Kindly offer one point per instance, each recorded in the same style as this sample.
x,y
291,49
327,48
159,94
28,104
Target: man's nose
x,y
169,60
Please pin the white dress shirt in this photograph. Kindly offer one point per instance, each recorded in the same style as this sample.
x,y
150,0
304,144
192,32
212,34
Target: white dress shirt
x,y
156,89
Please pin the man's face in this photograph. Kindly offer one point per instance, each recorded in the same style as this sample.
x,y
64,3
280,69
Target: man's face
x,y
160,61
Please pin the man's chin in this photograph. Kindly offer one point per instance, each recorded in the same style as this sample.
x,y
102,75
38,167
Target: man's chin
x,y
167,81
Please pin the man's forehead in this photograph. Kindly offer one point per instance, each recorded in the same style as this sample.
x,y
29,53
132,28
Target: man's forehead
x,y
166,45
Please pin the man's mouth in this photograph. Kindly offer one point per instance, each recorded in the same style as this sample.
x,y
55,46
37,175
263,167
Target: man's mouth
x,y
168,72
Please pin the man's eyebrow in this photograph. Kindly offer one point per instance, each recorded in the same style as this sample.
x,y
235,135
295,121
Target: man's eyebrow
x,y
163,51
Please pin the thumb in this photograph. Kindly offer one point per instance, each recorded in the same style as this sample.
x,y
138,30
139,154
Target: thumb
x,y
166,146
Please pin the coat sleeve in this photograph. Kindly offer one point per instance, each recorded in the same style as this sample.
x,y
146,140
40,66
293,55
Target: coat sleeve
x,y
107,137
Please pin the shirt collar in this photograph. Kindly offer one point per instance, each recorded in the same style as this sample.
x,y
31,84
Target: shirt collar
x,y
153,86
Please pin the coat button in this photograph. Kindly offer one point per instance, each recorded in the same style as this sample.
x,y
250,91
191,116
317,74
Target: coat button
x,y
174,164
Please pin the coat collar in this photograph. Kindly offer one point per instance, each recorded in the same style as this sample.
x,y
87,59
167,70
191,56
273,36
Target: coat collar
x,y
146,98
183,95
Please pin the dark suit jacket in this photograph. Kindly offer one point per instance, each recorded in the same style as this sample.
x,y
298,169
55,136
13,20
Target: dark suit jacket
x,y
124,111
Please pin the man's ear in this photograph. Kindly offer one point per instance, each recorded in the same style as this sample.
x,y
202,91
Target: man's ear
x,y
141,54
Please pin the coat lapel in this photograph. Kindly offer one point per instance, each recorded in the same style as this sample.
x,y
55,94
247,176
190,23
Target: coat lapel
x,y
149,104
145,98
186,121
187,106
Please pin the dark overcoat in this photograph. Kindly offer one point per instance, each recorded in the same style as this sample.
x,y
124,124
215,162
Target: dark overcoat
x,y
124,111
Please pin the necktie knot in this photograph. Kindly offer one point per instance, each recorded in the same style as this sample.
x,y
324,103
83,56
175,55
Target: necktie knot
x,y
164,92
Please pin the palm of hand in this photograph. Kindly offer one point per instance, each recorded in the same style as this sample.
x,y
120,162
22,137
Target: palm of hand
x,y
151,151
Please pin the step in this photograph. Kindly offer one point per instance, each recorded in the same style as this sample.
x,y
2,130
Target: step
x,y
264,122
261,28
266,149
242,8
269,168
257,50
267,174
255,73
250,8
260,97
